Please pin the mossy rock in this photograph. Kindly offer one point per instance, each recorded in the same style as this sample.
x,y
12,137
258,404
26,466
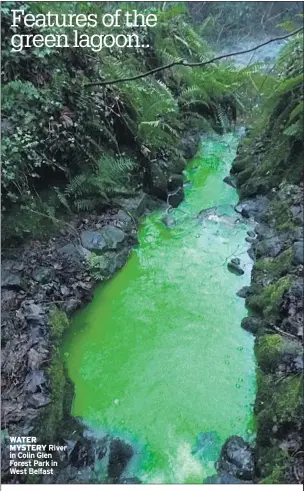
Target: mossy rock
x,y
59,322
267,300
273,349
268,350
273,268
280,216
272,296
278,405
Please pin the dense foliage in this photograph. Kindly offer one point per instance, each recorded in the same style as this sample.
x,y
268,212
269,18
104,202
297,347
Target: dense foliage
x,y
69,147
279,130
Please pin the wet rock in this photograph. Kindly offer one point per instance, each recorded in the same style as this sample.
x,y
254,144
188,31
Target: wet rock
x,y
125,221
252,234
176,198
93,241
135,206
243,292
236,459
224,478
252,207
190,143
230,180
113,236
234,266
251,253
169,221
111,261
250,240
298,252
41,275
76,253
175,181
271,246
236,260
263,231
119,457
251,324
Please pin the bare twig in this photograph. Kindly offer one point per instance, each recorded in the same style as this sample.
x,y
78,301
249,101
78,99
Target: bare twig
x,y
188,64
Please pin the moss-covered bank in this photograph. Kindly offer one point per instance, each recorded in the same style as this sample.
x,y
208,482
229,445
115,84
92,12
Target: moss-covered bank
x,y
268,170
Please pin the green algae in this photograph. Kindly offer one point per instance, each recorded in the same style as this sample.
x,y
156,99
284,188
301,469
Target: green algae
x,y
159,357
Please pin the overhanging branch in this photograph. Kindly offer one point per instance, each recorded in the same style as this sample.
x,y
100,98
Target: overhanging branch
x,y
188,64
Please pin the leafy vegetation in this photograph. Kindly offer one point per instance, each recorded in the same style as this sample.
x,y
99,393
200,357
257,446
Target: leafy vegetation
x,y
281,123
69,148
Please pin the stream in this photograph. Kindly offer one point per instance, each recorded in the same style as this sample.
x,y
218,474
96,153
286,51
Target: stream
x,y
159,357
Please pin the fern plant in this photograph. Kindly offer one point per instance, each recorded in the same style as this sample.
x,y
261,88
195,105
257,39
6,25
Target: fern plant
x,y
91,189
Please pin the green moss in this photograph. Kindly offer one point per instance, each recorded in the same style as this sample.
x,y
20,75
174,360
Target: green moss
x,y
268,349
267,300
280,216
272,296
278,404
53,413
59,322
272,462
271,348
274,268
59,385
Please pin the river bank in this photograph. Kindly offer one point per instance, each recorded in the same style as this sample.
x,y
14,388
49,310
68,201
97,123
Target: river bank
x,y
275,303
43,284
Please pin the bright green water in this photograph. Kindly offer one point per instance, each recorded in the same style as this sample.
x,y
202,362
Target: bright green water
x,y
159,355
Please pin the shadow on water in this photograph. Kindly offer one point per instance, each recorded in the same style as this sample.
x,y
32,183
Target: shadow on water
x,y
159,357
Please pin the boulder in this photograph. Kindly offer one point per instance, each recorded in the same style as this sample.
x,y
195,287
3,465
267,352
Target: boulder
x,y
298,252
93,241
252,207
119,457
126,222
176,198
234,267
108,238
230,180
135,206
190,143
76,253
271,246
236,459
169,221
113,236
243,292
175,181
251,324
